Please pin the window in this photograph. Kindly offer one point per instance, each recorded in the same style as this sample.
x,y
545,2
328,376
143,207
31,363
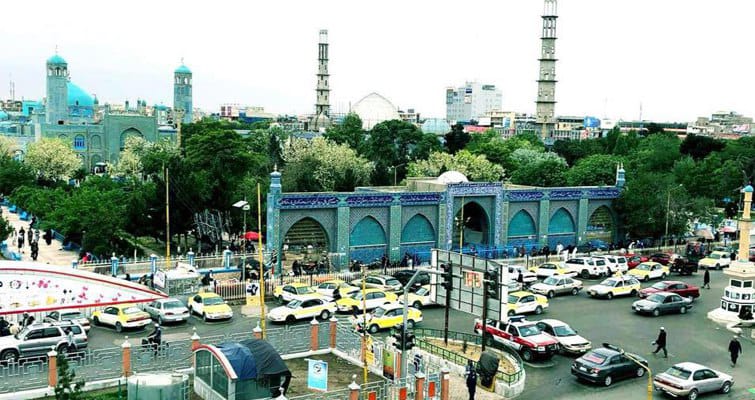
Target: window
x,y
52,332
34,335
736,283
747,284
204,359
219,379
111,311
79,142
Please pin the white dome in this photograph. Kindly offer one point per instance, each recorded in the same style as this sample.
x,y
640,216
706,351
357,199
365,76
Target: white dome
x,y
374,109
450,177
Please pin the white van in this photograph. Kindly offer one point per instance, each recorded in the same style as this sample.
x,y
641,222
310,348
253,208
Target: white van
x,y
614,263
587,267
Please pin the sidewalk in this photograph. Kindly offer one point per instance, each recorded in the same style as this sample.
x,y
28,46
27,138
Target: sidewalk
x,y
458,390
52,254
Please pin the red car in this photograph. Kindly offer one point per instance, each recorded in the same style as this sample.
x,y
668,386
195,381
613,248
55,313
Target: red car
x,y
661,258
680,288
634,260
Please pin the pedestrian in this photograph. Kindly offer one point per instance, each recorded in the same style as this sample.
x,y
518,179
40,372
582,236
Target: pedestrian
x,y
706,278
48,236
471,376
735,349
30,234
547,252
660,343
21,237
70,341
34,250
559,248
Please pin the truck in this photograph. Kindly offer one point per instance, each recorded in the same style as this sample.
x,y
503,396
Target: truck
x,y
520,335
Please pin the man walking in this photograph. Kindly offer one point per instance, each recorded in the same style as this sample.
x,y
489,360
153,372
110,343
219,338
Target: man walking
x,y
735,349
471,379
660,342
706,278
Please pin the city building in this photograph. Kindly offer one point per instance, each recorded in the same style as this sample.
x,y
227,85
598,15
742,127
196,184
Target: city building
x,y
409,116
471,101
182,92
721,123
545,113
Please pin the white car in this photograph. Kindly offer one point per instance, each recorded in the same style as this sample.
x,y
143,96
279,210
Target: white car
x,y
614,263
557,284
306,309
586,267
716,260
418,298
167,310
527,275
382,282
568,339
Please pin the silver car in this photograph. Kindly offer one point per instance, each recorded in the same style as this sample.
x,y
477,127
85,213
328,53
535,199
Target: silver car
x,y
690,379
557,284
37,339
662,303
167,310
68,315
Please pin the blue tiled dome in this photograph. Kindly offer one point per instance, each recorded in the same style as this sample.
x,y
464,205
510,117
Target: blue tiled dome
x,y
57,60
748,189
183,70
76,94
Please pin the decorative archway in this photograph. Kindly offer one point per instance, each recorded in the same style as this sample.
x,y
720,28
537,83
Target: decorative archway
x,y
522,231
601,225
367,241
561,228
305,232
128,133
476,225
418,237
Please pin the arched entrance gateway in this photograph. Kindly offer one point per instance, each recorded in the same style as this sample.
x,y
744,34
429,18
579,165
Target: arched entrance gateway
x,y
307,232
476,226
601,225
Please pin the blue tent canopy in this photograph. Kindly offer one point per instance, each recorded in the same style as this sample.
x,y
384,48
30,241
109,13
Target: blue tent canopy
x,y
253,359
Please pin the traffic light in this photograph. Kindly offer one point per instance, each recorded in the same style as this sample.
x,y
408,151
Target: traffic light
x,y
447,276
491,283
398,335
409,341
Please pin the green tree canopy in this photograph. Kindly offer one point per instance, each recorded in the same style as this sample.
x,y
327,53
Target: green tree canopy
x,y
321,165
52,159
349,132
394,144
593,170
457,138
698,147
475,167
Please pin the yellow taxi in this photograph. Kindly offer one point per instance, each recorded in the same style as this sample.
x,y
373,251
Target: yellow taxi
x,y
618,285
210,306
330,287
294,291
549,269
526,302
387,316
302,309
121,316
649,270
418,298
373,299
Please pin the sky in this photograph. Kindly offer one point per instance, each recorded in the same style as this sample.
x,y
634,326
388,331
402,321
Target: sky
x,y
674,59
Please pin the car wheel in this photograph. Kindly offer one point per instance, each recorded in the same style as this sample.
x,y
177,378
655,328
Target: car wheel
x,y
646,278
584,274
663,275
574,291
290,319
96,321
118,327
324,315
726,387
410,324
204,317
62,349
510,313
607,381
488,339
609,295
683,310
692,394
633,293
640,372
160,319
538,310
417,305
718,266
656,312
526,355
551,294
9,356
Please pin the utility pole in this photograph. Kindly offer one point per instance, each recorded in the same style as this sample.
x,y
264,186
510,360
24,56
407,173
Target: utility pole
x,y
167,218
262,265
484,312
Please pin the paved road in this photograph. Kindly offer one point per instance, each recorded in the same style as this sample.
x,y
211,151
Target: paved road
x,y
52,254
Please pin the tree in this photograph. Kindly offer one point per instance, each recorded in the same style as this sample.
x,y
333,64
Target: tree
x,y
52,159
349,132
475,167
5,228
545,172
7,147
394,144
67,387
321,165
14,174
654,128
698,147
574,150
457,138
655,153
593,170
130,161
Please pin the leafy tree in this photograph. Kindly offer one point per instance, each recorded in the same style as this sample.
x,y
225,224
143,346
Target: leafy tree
x,y
67,388
276,137
698,147
475,167
14,174
5,228
574,150
130,161
731,209
653,129
545,172
52,159
457,139
626,144
593,170
349,132
656,153
612,137
7,147
321,165
394,144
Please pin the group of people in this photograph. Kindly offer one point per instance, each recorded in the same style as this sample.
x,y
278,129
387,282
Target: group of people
x,y
33,239
735,348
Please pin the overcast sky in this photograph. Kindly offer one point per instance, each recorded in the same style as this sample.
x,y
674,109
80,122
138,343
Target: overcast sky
x,y
678,58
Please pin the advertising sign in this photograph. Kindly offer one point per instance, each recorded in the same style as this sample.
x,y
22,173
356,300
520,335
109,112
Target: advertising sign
x,y
473,279
591,122
317,375
389,364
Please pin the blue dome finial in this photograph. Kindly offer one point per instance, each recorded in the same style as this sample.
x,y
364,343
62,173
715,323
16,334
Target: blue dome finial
x,y
183,69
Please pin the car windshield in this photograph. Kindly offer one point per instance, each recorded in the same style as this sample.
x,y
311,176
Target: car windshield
x,y
564,330
609,282
211,301
173,304
513,299
656,298
643,267
293,304
131,310
714,256
529,330
678,372
357,295
660,286
392,282
304,290
594,358
550,281
422,291
71,315
379,312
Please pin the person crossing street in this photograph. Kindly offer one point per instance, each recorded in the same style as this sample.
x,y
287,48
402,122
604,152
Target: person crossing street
x,y
660,342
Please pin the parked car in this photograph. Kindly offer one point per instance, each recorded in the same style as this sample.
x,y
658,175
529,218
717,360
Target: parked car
x,y
387,316
210,306
549,269
526,302
373,299
69,315
294,291
121,316
690,379
382,282
625,285
633,260
649,270
404,275
614,263
167,310
568,339
37,339
662,303
663,258
680,288
684,265
586,267
418,298
604,366
527,276
557,284
302,309
330,287
716,259
520,335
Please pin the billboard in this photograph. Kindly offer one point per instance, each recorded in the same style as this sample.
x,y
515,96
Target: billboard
x,y
591,122
317,375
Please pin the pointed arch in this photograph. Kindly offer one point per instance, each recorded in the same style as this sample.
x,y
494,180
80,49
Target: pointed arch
x,y
418,229
601,220
522,224
561,222
368,232
476,224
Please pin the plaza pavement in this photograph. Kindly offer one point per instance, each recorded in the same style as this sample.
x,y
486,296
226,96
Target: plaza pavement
x,y
52,254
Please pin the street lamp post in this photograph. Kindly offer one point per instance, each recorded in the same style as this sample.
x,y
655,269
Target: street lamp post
x,y
395,175
244,205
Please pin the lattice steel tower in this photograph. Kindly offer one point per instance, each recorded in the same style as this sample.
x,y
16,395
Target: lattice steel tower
x,y
323,89
546,83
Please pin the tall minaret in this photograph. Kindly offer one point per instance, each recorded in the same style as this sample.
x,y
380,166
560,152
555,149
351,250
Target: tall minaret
x,y
323,88
182,91
546,82
56,108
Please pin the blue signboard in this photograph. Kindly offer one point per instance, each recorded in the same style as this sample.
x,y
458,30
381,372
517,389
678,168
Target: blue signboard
x,y
317,375
592,122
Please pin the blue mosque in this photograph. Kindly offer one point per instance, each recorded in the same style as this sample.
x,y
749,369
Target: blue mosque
x,y
97,133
